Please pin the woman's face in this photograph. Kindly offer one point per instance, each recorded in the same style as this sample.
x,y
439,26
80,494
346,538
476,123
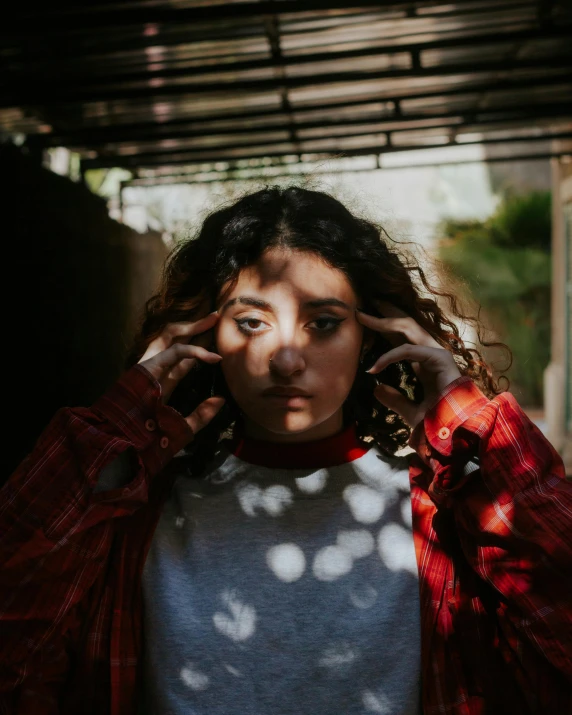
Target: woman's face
x,y
289,324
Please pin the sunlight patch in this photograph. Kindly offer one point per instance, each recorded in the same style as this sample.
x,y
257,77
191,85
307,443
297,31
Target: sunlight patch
x,y
274,500
396,549
406,514
376,703
249,497
313,483
232,670
358,542
193,678
240,624
331,562
366,505
287,561
363,596
338,655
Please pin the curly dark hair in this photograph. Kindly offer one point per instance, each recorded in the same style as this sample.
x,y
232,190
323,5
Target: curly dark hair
x,y
235,236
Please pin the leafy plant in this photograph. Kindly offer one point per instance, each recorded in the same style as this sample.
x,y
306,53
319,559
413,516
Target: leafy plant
x,y
504,264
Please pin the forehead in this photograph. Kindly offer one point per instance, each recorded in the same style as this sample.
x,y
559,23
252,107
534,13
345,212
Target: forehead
x,y
294,273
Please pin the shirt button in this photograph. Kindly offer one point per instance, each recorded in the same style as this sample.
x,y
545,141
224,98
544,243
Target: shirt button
x,y
444,432
164,442
150,425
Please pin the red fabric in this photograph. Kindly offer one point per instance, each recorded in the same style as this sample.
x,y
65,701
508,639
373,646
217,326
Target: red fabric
x,y
493,548
328,452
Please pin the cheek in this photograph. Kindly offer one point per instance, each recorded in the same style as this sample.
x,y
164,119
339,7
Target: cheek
x,y
240,359
337,365
343,351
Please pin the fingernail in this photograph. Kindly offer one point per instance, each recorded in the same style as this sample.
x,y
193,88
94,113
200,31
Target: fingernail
x,y
215,312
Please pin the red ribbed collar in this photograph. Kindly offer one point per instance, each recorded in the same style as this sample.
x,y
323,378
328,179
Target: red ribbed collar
x,y
327,452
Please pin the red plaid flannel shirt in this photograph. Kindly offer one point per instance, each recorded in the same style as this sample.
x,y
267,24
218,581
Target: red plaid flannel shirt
x,y
492,518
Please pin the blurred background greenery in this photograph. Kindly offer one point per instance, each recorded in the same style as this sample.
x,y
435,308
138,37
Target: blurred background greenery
x,y
505,265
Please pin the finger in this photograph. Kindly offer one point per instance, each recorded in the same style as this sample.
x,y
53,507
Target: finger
x,y
398,329
417,353
170,366
389,310
179,332
180,351
189,329
204,413
173,356
170,380
394,400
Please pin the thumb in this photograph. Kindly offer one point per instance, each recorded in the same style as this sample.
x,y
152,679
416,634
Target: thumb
x,y
393,399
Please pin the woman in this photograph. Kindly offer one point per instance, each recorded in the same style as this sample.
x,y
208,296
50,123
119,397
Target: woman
x,y
228,529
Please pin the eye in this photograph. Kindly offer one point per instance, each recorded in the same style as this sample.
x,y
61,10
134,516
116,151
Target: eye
x,y
331,324
245,325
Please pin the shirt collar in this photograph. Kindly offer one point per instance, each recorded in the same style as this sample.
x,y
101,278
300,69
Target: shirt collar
x,y
327,452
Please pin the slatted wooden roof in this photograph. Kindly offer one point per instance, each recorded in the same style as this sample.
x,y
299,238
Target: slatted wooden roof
x,y
167,88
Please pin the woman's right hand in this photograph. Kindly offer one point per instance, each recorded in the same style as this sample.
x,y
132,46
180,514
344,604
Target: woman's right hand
x,y
170,357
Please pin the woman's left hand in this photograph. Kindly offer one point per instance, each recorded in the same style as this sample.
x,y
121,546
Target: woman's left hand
x,y
434,366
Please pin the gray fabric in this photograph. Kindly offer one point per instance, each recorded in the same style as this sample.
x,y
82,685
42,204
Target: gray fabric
x,y
118,472
284,592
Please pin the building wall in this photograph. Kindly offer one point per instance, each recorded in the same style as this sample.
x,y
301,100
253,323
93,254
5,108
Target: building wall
x,y
558,376
73,284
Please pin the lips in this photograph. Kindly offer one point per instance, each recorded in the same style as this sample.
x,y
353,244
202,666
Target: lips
x,y
285,392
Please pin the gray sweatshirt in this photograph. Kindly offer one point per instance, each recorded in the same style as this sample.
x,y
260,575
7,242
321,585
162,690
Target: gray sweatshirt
x,y
274,591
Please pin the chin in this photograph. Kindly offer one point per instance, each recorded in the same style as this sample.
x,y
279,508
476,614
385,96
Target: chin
x,y
289,423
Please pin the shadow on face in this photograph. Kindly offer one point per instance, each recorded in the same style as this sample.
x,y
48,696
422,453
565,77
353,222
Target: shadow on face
x,y
288,325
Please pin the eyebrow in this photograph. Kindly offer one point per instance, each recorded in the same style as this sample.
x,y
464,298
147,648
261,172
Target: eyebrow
x,y
258,303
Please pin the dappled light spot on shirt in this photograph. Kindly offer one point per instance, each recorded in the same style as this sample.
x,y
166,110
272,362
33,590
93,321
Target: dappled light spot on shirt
x,y
274,500
249,497
331,562
287,561
395,549
376,703
358,542
232,670
313,483
366,505
240,624
363,596
406,513
338,657
193,678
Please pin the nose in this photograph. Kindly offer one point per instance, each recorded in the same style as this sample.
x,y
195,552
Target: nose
x,y
287,361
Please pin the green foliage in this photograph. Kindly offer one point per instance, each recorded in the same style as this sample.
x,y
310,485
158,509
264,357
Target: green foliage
x,y
523,221
506,267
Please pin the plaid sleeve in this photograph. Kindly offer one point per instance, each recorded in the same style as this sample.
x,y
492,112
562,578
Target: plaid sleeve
x,y
512,508
55,529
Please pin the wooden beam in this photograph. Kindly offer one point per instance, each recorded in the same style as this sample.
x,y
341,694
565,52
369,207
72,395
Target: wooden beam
x,y
277,61
470,117
101,135
235,175
51,96
80,17
93,45
186,157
